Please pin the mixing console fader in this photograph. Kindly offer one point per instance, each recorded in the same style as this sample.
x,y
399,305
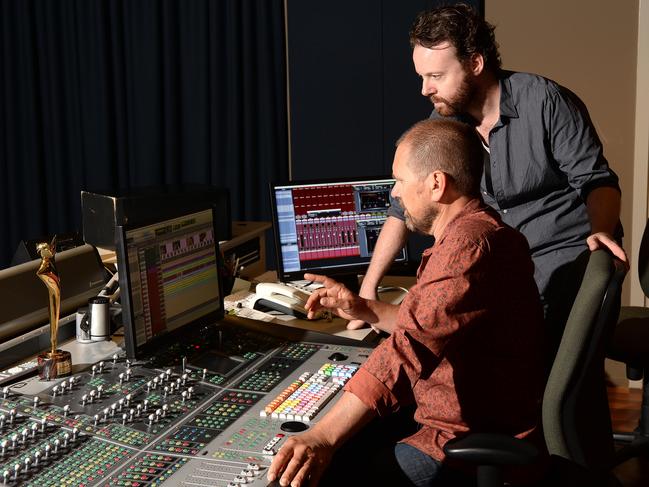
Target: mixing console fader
x,y
214,419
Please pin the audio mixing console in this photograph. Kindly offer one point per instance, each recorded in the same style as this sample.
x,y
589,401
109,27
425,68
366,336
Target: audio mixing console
x,y
211,412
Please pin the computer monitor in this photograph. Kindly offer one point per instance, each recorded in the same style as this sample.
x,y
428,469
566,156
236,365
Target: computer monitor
x,y
169,278
329,227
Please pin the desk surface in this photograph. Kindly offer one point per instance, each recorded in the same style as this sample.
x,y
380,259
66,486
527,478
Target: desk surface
x,y
338,326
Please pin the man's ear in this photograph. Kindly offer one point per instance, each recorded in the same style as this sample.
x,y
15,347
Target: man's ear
x,y
476,64
436,182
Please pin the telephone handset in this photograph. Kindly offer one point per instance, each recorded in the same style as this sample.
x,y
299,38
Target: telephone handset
x,y
281,297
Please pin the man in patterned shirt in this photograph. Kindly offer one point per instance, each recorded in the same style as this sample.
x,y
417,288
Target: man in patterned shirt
x,y
469,329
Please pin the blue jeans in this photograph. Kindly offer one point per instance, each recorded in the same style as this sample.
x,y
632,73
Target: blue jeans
x,y
420,469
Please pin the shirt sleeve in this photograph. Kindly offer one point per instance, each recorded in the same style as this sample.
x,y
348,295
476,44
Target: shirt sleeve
x,y
443,301
395,209
575,144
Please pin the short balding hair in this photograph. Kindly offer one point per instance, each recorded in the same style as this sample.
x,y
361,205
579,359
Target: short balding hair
x,y
448,146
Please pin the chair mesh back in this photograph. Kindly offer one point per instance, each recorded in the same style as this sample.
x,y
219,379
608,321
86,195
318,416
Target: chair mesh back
x,y
576,418
643,261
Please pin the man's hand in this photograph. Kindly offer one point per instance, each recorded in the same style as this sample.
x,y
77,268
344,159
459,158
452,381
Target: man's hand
x,y
602,240
371,294
301,461
336,297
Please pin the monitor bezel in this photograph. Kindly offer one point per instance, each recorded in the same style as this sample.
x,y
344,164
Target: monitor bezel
x,y
351,268
148,348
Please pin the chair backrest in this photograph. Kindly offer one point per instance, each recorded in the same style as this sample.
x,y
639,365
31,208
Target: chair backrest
x,y
576,417
643,261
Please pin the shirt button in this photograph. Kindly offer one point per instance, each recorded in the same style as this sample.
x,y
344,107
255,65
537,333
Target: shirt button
x,y
484,192
504,211
493,163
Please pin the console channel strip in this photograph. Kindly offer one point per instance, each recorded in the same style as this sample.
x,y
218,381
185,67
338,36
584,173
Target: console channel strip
x,y
131,424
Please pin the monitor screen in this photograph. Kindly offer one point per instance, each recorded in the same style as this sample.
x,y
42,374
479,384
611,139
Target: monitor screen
x,y
329,227
169,277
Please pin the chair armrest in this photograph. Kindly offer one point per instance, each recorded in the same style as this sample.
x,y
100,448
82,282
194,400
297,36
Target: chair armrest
x,y
491,449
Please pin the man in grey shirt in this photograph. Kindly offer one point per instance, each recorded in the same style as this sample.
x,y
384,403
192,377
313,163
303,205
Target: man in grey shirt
x,y
544,167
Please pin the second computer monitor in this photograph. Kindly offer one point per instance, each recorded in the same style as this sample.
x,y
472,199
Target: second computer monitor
x,y
329,227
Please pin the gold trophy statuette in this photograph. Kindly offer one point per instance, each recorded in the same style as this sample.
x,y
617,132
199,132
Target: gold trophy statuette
x,y
55,363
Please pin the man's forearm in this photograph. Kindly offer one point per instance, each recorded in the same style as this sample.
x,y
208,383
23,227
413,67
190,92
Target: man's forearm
x,y
603,205
383,316
391,239
346,417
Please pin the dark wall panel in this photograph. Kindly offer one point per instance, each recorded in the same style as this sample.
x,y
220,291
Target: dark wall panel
x,y
335,86
352,86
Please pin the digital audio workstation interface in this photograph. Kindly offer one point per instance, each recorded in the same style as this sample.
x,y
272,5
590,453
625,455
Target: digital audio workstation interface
x,y
193,401
330,225
172,272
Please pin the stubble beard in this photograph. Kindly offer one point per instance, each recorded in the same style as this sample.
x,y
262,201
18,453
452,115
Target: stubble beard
x,y
421,225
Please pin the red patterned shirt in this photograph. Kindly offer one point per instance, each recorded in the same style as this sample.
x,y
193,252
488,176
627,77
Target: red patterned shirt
x,y
468,348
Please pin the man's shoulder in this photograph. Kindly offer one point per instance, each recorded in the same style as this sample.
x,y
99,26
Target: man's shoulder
x,y
482,227
522,82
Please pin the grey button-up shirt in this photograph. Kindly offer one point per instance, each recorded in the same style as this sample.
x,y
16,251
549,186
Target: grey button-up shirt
x,y
544,157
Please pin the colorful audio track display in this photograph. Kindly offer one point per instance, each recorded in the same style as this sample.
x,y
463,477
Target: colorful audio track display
x,y
169,271
122,423
329,226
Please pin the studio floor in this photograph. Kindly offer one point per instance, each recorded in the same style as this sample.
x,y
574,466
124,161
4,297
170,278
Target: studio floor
x,y
625,410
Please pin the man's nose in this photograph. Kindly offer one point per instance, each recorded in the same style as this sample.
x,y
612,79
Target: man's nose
x,y
428,88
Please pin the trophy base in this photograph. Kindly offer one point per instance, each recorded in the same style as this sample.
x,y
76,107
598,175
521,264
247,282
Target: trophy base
x,y
54,365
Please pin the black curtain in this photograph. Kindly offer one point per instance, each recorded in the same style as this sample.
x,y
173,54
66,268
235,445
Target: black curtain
x,y
122,94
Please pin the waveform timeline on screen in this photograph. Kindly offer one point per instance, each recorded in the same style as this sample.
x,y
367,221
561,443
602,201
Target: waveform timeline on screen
x,y
171,270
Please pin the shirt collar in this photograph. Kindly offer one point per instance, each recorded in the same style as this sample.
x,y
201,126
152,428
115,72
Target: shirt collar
x,y
472,206
507,107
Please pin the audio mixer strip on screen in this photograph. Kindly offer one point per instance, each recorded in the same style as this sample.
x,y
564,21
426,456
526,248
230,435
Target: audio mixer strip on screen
x,y
210,412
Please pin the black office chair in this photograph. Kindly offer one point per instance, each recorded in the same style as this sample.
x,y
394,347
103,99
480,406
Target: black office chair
x,y
576,417
630,345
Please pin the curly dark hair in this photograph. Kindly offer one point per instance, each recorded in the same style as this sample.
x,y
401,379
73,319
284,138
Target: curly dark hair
x,y
461,26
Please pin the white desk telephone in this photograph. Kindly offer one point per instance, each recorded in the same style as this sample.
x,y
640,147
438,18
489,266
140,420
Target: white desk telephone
x,y
281,297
